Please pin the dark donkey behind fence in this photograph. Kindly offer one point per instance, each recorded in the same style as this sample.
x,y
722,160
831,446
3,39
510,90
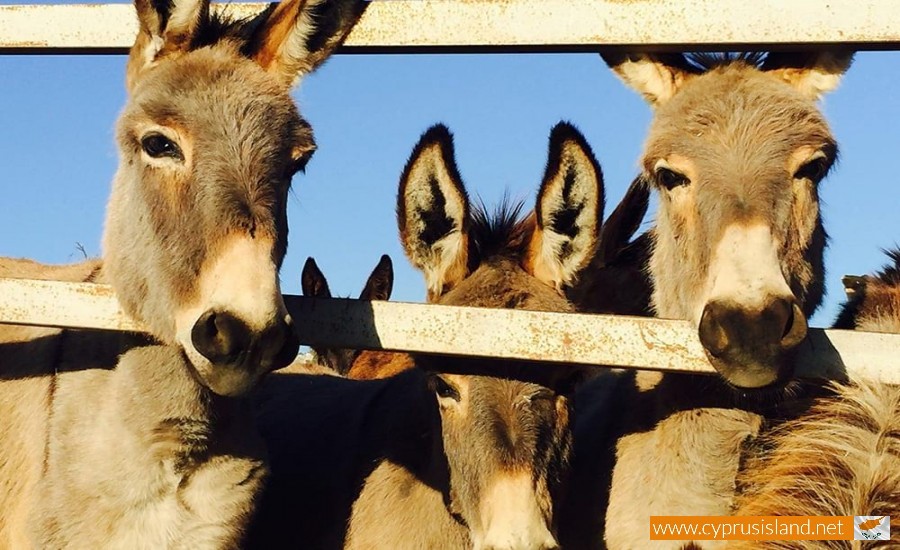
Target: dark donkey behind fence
x,y
457,452
736,151
110,440
378,287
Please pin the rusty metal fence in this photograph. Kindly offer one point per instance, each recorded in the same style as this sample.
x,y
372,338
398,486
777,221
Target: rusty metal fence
x,y
494,25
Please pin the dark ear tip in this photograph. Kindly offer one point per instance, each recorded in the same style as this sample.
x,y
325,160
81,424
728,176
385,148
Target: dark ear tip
x,y
438,134
613,59
310,264
565,132
385,261
309,276
640,187
564,129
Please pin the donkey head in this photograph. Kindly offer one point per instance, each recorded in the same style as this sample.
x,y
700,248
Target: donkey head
x,y
736,151
504,424
873,301
378,287
209,139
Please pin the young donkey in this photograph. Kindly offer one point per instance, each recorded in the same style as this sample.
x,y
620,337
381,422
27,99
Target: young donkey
x,y
846,451
456,453
736,150
166,455
378,287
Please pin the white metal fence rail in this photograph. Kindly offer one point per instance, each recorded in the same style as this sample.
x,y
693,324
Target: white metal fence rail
x,y
561,337
493,25
511,25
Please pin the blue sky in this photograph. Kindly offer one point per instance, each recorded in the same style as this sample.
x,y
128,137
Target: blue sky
x,y
58,156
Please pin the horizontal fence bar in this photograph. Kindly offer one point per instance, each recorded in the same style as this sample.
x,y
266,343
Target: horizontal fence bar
x,y
511,25
618,341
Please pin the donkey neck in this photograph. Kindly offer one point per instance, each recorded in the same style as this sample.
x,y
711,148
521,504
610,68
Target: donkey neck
x,y
413,475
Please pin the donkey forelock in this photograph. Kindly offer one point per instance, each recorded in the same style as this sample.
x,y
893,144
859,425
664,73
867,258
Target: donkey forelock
x,y
209,141
736,149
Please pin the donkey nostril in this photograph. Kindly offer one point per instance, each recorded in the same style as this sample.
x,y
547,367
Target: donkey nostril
x,y
795,328
220,337
712,334
788,323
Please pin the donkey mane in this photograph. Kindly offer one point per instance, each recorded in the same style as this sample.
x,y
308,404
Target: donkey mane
x,y
701,62
841,459
707,61
501,232
223,27
890,273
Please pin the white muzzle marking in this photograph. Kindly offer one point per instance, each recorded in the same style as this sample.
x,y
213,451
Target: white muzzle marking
x,y
511,516
242,280
745,269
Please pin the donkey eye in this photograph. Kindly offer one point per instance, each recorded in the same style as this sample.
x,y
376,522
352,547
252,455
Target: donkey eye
x,y
442,388
670,179
159,146
813,170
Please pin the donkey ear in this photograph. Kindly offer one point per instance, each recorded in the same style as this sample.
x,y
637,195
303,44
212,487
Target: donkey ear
x,y
568,212
624,221
433,213
381,281
165,28
296,36
812,73
655,76
313,282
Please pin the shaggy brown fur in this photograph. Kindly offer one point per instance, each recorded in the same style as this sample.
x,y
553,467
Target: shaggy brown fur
x,y
736,148
457,452
843,458
111,440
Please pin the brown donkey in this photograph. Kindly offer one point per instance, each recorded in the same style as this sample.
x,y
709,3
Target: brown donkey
x,y
458,452
378,287
843,457
736,150
616,281
116,441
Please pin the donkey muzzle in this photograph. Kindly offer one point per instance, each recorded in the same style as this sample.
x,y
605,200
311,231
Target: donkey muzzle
x,y
753,348
238,355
